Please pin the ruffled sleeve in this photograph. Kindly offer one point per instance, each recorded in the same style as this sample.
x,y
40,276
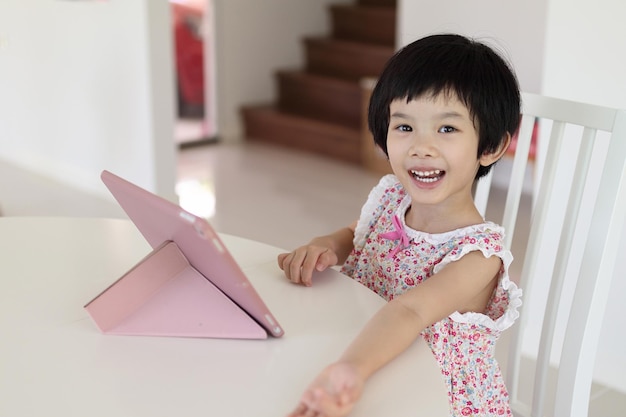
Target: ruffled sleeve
x,y
502,310
379,198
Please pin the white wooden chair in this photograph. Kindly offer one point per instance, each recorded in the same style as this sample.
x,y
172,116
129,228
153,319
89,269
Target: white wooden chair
x,y
589,245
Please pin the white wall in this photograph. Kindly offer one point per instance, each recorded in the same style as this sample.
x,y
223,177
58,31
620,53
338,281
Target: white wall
x,y
586,44
562,48
518,31
252,42
86,86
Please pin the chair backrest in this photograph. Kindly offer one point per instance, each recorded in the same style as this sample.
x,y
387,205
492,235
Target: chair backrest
x,y
583,235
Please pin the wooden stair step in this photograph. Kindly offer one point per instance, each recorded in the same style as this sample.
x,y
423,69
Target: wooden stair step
x,y
369,24
345,59
266,123
380,3
320,109
323,98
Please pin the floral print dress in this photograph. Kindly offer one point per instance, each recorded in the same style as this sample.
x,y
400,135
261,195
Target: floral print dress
x,y
390,258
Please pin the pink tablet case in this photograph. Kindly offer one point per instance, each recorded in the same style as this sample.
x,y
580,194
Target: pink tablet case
x,y
189,285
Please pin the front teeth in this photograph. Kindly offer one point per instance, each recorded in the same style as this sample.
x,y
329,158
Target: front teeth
x,y
426,173
426,176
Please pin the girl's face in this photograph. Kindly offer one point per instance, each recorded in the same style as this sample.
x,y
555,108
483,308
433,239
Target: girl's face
x,y
432,145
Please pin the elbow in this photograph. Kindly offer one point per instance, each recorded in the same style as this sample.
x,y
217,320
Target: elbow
x,y
412,319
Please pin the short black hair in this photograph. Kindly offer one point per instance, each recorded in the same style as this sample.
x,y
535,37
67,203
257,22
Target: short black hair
x,y
455,65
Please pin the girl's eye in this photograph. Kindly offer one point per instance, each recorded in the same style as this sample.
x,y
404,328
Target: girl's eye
x,y
446,129
404,128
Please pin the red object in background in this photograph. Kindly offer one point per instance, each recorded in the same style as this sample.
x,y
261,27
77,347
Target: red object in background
x,y
532,152
189,52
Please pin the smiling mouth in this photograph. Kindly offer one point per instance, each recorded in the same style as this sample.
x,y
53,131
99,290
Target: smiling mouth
x,y
427,176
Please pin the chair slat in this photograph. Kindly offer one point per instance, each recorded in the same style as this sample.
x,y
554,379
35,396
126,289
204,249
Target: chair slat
x,y
581,114
594,280
516,183
558,277
538,224
481,195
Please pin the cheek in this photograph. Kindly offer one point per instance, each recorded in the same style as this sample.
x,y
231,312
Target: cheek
x,y
394,150
396,161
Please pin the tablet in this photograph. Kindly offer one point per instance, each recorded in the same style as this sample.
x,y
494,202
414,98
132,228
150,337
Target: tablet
x,y
189,285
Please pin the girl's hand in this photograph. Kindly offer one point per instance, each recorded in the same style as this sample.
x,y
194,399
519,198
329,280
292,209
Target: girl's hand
x,y
332,394
300,264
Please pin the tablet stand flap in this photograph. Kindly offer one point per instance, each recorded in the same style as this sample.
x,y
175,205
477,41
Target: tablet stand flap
x,y
163,295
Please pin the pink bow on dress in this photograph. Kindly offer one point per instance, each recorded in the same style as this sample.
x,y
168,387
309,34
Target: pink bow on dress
x,y
399,233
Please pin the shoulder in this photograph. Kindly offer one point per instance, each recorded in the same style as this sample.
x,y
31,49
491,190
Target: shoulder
x,y
485,238
389,190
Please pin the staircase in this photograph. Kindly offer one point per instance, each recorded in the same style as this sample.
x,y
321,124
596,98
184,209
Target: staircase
x,y
320,107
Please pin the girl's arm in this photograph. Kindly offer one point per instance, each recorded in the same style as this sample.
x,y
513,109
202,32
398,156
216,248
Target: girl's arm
x,y
318,254
463,285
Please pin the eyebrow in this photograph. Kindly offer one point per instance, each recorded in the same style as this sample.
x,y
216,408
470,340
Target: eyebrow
x,y
399,115
440,116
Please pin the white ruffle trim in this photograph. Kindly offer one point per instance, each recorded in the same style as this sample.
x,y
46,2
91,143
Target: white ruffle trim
x,y
511,313
372,203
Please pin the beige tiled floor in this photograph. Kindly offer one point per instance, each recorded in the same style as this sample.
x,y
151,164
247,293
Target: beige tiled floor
x,y
270,194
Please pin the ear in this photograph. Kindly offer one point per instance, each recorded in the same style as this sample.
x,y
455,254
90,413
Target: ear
x,y
487,159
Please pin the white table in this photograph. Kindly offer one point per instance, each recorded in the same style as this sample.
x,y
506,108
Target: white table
x,y
54,362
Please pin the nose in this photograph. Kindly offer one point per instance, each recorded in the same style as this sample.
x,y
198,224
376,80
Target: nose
x,y
422,146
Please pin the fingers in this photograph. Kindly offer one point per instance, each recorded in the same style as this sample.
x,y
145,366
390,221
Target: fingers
x,y
299,411
304,411
300,264
281,259
319,403
332,394
326,259
293,264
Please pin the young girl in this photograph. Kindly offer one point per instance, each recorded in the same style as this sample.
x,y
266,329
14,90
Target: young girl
x,y
443,110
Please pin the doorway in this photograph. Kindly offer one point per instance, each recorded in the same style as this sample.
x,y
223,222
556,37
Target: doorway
x,y
192,31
